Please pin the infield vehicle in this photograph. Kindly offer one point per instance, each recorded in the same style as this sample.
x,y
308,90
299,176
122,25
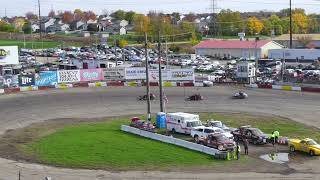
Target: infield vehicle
x,y
218,124
141,124
306,145
181,122
203,132
254,135
195,97
218,141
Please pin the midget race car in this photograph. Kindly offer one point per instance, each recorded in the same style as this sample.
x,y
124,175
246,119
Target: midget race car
x,y
240,95
306,145
195,97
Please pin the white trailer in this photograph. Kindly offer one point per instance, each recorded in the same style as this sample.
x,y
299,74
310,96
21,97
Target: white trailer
x,y
294,54
182,122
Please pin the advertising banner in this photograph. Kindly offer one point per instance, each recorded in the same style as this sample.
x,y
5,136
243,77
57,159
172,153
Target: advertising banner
x,y
11,81
1,82
48,78
114,74
91,74
68,76
181,75
9,55
135,73
154,75
26,80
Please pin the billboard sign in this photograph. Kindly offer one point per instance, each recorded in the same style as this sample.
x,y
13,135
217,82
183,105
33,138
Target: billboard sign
x,y
91,74
9,55
68,76
154,75
47,78
11,81
181,75
114,74
26,80
135,73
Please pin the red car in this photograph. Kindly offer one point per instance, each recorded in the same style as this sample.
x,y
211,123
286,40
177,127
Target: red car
x,y
141,124
218,141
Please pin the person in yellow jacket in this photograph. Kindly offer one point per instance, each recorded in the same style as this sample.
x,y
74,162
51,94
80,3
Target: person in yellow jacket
x,y
238,150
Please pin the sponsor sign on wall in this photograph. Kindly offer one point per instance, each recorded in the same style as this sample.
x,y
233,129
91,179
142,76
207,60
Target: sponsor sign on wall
x,y
114,74
135,73
154,75
68,76
181,75
11,81
91,75
26,80
48,78
1,82
9,55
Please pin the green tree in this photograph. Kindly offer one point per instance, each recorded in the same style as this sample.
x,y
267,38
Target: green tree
x,y
119,15
267,27
194,40
5,27
276,24
229,22
27,27
130,16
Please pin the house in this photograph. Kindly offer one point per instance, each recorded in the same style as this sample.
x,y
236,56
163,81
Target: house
x,y
296,55
35,27
236,48
58,27
48,22
81,25
299,40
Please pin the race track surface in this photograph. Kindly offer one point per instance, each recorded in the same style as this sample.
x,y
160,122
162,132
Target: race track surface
x,y
19,110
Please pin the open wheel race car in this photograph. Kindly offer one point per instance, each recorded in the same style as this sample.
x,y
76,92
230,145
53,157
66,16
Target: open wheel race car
x,y
195,97
145,97
240,95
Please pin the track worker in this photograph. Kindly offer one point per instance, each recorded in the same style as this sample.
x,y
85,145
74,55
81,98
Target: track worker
x,y
246,146
238,150
272,138
276,136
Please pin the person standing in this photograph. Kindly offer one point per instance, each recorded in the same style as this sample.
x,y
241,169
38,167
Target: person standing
x,y
238,150
246,146
276,136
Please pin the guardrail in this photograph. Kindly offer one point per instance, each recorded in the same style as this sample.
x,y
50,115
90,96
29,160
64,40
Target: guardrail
x,y
170,140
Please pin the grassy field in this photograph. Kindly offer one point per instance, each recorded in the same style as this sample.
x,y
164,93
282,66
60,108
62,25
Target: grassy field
x,y
36,44
103,145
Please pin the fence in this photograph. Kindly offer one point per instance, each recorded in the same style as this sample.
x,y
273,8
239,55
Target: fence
x,y
171,140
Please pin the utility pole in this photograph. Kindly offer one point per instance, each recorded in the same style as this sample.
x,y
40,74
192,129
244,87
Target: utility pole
x,y
160,73
147,76
290,25
167,54
256,58
213,31
40,28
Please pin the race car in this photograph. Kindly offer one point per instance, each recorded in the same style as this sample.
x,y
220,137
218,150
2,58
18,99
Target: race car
x,y
306,145
195,97
145,97
240,95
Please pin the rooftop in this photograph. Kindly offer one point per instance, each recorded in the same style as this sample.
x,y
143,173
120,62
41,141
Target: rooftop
x,y
284,37
231,44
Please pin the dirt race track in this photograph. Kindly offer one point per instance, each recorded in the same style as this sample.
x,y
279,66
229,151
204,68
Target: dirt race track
x,y
19,110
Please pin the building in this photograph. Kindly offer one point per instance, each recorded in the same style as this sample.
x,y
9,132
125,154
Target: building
x,y
236,48
295,54
299,40
246,71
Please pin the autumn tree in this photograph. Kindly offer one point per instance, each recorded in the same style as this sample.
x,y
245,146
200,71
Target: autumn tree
x,y
52,14
67,17
6,27
141,23
130,16
254,26
123,43
300,23
90,15
78,14
31,16
18,23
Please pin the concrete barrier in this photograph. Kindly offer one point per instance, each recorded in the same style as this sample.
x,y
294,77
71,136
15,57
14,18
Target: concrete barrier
x,y
63,86
46,87
11,90
1,91
80,84
198,84
115,83
29,88
170,140
310,89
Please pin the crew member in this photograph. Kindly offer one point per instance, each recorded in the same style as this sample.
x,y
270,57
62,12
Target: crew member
x,y
273,138
238,150
276,135
246,145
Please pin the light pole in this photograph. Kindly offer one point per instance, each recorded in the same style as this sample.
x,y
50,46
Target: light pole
x,y
256,57
160,73
147,76
290,9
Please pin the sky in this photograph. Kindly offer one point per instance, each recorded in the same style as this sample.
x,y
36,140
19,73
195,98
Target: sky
x,y
20,7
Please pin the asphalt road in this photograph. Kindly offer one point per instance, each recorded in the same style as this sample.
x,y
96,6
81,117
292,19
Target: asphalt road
x,y
19,110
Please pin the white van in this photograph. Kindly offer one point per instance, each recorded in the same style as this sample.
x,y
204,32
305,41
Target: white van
x,y
182,122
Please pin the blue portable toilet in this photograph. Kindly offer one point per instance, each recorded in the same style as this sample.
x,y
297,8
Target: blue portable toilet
x,y
161,120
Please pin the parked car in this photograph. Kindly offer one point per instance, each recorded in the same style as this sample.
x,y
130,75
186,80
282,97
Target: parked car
x,y
254,135
202,132
141,124
218,124
306,145
218,141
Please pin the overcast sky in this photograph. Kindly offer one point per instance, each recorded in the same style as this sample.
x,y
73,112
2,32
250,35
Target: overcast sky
x,y
20,7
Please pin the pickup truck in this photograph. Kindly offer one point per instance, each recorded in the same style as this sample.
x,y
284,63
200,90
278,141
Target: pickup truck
x,y
306,145
202,132
218,141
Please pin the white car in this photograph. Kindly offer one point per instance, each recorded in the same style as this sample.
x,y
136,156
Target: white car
x,y
218,124
202,132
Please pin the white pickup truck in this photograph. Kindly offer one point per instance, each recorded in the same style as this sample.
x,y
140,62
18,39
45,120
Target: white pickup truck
x,y
202,132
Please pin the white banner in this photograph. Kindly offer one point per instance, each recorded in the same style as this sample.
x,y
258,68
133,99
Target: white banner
x,y
9,55
114,74
139,73
68,76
